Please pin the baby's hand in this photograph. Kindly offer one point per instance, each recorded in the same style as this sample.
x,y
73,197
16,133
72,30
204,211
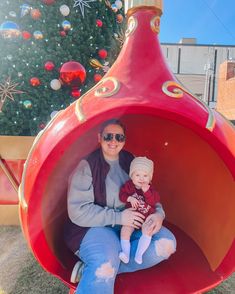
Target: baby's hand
x,y
134,202
145,187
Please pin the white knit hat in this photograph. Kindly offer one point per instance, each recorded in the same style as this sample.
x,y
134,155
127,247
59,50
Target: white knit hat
x,y
141,163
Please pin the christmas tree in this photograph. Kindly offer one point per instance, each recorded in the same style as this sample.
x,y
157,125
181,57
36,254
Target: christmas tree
x,y
52,51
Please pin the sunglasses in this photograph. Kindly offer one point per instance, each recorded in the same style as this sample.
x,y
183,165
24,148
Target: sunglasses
x,y
109,137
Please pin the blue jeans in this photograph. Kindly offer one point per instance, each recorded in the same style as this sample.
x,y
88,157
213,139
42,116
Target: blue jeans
x,y
99,251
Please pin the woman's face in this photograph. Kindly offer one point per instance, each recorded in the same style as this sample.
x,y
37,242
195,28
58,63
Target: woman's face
x,y
111,148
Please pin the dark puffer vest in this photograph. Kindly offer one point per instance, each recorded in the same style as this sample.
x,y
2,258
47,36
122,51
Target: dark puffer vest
x,y
99,170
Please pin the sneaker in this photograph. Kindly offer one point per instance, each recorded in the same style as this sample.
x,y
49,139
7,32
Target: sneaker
x,y
77,272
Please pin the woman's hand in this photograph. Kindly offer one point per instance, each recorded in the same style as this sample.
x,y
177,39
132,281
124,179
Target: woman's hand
x,y
134,202
152,224
132,218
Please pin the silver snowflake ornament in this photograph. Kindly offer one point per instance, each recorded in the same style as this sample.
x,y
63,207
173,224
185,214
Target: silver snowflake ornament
x,y
82,4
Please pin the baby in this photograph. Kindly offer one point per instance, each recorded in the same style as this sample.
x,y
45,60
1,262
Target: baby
x,y
141,195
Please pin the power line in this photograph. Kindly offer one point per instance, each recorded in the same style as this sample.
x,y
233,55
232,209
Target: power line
x,y
220,21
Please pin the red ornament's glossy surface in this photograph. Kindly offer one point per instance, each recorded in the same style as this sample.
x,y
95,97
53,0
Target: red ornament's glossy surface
x,y
193,148
72,73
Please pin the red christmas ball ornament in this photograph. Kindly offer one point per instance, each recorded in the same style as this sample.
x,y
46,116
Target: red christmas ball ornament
x,y
63,33
35,82
99,23
42,126
35,14
75,93
26,35
48,2
49,65
72,73
102,53
97,77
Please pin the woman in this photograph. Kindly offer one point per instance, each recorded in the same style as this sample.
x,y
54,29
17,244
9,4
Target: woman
x,y
97,215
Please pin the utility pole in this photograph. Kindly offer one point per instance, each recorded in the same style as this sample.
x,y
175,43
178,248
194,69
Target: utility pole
x,y
209,68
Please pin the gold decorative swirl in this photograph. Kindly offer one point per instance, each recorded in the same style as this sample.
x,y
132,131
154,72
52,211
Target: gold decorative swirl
x,y
100,91
105,91
155,24
78,109
179,91
131,26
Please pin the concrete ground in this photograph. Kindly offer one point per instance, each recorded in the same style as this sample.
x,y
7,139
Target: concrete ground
x,y
20,273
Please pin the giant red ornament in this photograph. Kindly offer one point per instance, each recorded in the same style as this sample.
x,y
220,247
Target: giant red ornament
x,y
35,82
189,143
102,53
72,73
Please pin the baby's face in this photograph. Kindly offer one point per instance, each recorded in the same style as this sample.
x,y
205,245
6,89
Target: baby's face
x,y
140,178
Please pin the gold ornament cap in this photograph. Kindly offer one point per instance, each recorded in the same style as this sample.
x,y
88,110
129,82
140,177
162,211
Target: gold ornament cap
x,y
133,5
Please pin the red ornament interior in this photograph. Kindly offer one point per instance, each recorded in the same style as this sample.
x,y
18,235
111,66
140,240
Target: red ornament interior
x,y
193,149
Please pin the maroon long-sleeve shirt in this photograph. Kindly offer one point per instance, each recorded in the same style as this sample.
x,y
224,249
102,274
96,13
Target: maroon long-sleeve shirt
x,y
147,200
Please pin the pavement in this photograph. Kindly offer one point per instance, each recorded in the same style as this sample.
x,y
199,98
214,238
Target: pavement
x,y
20,273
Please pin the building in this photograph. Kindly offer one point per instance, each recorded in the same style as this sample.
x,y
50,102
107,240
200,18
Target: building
x,y
196,66
226,90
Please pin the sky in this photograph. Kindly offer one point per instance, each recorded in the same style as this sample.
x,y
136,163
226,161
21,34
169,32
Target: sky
x,y
209,21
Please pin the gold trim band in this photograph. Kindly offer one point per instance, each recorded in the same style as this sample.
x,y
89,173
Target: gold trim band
x,y
155,24
132,24
105,91
179,91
